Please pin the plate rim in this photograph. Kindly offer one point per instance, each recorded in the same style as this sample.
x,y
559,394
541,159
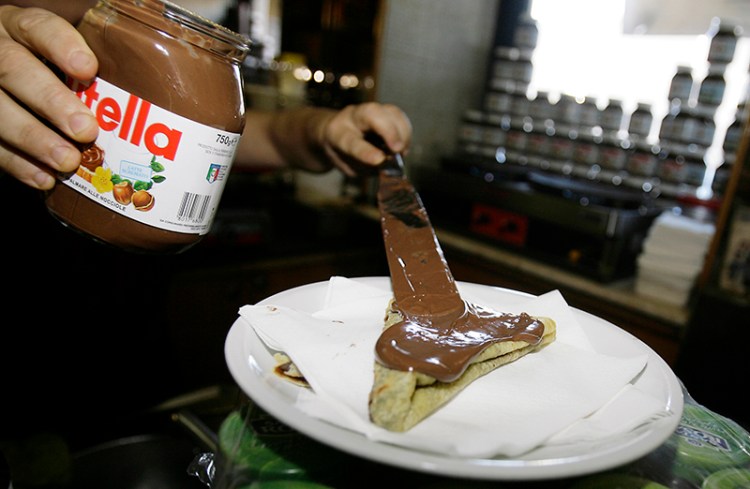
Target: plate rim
x,y
277,404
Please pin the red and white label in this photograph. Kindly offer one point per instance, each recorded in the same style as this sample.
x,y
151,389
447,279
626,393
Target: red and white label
x,y
159,168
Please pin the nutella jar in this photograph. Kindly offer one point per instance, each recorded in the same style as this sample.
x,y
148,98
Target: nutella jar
x,y
169,102
643,159
641,120
526,33
612,116
505,62
734,132
613,153
722,41
590,113
713,86
681,85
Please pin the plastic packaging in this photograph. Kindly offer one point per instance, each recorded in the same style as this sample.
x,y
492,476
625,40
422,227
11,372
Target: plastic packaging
x,y
706,451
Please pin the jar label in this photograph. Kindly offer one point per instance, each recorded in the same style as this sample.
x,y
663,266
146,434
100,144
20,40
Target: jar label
x,y
150,164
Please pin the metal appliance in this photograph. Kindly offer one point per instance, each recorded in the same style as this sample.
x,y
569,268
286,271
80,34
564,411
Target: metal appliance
x,y
586,227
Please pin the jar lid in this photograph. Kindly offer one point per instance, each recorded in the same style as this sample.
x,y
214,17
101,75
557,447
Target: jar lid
x,y
213,37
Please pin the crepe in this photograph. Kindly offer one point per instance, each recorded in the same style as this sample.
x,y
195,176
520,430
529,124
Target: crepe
x,y
399,399
287,369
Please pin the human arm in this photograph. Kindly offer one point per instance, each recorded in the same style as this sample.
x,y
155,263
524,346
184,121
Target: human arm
x,y
317,139
43,120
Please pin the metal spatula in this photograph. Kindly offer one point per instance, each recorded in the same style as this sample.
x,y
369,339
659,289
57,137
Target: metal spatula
x,y
422,281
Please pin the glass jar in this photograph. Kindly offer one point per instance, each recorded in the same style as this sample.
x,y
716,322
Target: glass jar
x,y
681,85
643,159
517,137
641,120
539,140
504,66
704,127
586,149
498,101
671,124
672,168
695,170
519,103
711,91
612,116
522,69
541,109
561,147
169,102
590,115
613,153
570,109
526,33
733,135
723,38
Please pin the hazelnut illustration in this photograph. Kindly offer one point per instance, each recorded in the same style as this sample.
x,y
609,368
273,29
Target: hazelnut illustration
x,y
123,192
143,201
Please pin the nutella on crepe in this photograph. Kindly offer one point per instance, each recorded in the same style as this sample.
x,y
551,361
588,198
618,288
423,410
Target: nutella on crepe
x,y
169,102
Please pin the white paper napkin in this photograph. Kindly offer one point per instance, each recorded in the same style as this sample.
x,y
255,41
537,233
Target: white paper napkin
x,y
564,393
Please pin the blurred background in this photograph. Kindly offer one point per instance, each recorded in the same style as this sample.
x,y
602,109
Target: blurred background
x,y
597,148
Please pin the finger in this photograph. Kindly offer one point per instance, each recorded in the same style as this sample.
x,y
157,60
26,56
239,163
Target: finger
x,y
347,141
388,121
340,163
397,129
52,37
33,138
365,152
25,170
347,132
33,84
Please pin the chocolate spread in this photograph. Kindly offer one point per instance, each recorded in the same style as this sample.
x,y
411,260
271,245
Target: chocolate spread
x,y
165,57
440,333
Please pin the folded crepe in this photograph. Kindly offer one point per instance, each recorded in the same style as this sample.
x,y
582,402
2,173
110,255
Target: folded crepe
x,y
400,399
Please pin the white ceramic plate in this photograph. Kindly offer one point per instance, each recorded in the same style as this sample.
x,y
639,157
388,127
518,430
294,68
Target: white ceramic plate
x,y
251,364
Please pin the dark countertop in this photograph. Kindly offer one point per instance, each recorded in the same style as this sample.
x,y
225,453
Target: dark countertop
x,y
111,334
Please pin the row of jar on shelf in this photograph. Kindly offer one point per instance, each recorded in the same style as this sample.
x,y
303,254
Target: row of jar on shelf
x,y
685,124
671,167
